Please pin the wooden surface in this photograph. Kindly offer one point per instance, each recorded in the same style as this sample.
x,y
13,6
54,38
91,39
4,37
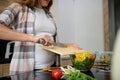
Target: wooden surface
x,y
106,26
4,69
61,50
65,62
0,70
3,4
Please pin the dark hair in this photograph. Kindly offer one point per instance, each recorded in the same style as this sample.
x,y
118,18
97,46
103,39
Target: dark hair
x,y
31,3
49,5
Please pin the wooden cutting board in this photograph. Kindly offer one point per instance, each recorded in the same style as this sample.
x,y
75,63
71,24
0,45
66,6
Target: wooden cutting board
x,y
61,50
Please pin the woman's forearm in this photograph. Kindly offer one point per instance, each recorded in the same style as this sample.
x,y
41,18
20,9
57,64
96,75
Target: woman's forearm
x,y
9,34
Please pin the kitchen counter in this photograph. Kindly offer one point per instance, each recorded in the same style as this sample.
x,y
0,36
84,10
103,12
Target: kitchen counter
x,y
40,75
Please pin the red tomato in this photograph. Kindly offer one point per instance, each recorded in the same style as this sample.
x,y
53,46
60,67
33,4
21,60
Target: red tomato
x,y
92,57
56,73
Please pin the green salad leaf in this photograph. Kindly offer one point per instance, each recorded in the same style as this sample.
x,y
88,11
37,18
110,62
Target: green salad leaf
x,y
85,64
71,73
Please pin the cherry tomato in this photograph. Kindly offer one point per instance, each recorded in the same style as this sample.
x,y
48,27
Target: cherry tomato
x,y
92,57
56,73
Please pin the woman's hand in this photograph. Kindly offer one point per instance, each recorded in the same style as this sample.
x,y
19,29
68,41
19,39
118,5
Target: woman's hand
x,y
46,38
74,46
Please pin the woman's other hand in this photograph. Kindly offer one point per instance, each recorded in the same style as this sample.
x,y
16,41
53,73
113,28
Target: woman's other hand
x,y
74,46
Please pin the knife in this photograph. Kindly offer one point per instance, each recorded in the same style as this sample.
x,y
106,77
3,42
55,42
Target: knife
x,y
58,44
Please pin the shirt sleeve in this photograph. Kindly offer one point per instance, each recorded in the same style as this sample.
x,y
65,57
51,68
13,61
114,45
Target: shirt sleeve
x,y
9,14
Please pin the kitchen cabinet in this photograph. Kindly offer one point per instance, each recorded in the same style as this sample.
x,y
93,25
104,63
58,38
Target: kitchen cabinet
x,y
4,69
0,70
5,61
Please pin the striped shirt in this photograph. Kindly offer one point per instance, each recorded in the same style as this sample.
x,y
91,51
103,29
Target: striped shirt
x,y
23,56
